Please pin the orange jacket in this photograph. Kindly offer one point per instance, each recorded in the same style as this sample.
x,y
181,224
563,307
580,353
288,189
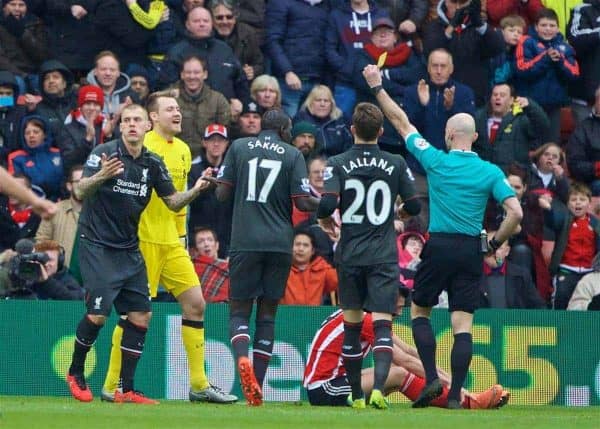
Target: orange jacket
x,y
308,287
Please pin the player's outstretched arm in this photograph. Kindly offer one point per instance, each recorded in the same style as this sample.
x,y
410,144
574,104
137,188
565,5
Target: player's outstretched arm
x,y
175,202
87,186
394,113
45,208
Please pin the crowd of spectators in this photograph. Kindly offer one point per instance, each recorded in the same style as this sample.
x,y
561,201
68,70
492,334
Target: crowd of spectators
x,y
527,70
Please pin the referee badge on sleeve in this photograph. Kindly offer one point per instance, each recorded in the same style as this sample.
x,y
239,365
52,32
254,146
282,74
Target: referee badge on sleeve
x,y
421,144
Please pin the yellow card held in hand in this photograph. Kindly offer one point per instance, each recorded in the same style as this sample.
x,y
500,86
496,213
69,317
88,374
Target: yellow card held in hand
x,y
381,60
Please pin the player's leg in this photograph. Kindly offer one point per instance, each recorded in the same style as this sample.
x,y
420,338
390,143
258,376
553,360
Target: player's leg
x,y
179,278
101,293
276,269
331,393
154,260
192,335
264,337
382,284
133,300
245,271
353,292
85,337
112,380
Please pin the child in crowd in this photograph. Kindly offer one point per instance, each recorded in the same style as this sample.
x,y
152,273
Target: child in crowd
x,y
545,63
577,241
513,27
410,244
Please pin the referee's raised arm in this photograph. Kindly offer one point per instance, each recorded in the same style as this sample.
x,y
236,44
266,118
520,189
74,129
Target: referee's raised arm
x,y
391,110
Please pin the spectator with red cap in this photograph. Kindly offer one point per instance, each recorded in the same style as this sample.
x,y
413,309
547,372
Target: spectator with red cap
x,y
84,127
206,210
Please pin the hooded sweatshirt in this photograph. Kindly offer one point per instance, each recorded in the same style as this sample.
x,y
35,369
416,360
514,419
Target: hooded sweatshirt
x,y
120,93
52,107
347,33
43,164
10,118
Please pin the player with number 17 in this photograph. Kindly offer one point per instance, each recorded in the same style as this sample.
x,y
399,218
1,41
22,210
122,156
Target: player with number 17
x,y
266,175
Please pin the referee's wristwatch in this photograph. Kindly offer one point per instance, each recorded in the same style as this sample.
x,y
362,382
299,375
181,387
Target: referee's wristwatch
x,y
375,89
494,245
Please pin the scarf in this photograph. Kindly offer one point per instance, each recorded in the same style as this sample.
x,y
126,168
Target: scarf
x,y
20,217
396,57
77,116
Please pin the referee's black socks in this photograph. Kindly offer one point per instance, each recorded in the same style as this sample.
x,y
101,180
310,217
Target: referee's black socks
x,y
460,359
425,342
352,357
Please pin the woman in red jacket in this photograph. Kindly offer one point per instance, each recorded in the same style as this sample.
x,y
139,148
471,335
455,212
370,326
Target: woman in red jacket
x,y
311,277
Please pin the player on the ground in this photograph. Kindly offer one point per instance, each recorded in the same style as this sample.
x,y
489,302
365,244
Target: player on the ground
x,y
325,375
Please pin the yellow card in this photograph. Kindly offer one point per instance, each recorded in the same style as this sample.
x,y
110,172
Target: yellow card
x,y
381,60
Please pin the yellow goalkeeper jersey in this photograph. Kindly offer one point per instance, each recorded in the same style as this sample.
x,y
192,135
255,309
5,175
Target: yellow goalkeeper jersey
x,y
158,224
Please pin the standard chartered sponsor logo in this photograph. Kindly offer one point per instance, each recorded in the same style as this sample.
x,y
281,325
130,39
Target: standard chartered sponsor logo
x,y
130,188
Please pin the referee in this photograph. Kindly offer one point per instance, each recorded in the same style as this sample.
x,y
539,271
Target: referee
x,y
460,184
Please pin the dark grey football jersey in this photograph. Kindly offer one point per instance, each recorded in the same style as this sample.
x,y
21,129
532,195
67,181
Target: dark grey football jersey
x,y
367,181
266,173
110,217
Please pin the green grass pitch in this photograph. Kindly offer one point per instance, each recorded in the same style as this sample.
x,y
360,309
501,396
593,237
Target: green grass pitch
x,y
18,412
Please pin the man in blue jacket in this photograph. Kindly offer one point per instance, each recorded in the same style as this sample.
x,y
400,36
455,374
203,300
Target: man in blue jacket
x,y
225,73
295,43
431,102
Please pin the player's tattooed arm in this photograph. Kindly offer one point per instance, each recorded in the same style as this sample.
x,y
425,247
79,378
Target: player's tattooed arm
x,y
87,186
179,200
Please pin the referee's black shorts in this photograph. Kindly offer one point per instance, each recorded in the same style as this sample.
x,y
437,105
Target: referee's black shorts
x,y
452,262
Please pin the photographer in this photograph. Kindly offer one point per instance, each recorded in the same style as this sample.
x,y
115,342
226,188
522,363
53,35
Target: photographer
x,y
37,275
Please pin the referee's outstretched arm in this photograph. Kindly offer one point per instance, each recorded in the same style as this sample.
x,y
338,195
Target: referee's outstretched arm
x,y
392,111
